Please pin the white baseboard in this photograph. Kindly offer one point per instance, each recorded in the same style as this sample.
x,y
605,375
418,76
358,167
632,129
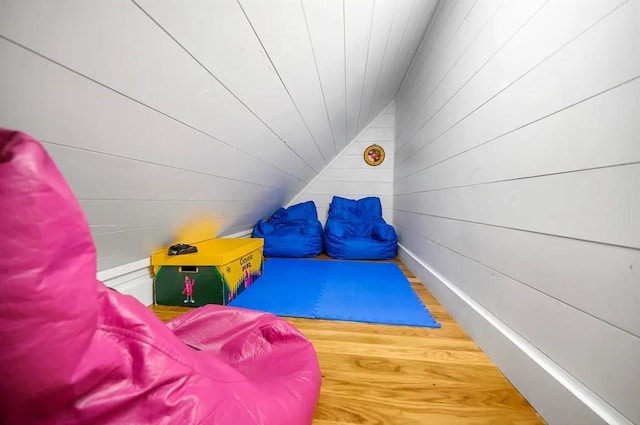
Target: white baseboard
x,y
131,279
136,278
555,394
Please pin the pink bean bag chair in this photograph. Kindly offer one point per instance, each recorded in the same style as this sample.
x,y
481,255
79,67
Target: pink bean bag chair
x,y
73,351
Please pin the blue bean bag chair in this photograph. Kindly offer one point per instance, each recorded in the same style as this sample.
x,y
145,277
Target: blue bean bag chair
x,y
355,230
291,232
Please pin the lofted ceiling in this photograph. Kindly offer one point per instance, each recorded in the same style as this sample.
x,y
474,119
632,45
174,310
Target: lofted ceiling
x,y
161,111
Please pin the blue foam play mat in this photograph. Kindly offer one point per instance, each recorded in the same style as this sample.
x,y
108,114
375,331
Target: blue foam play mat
x,y
336,290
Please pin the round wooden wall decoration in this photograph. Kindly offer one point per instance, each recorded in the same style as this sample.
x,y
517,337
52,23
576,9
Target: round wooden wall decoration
x,y
374,155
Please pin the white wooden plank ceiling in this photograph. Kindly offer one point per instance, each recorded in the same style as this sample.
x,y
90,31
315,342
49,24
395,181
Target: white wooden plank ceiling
x,y
216,101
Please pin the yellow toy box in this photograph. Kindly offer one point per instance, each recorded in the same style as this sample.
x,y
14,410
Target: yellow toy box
x,y
216,274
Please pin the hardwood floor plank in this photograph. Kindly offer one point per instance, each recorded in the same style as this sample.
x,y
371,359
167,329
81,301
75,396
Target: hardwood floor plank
x,y
367,328
434,353
416,396
381,371
401,375
346,410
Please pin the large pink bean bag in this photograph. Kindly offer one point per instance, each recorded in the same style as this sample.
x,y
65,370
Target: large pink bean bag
x,y
73,351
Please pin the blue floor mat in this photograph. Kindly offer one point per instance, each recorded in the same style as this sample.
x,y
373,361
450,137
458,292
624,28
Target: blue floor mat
x,y
336,290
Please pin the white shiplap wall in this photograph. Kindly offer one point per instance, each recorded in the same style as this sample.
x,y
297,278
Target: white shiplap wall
x,y
350,177
517,188
163,113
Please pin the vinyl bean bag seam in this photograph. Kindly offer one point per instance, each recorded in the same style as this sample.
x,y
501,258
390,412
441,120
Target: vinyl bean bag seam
x,y
115,330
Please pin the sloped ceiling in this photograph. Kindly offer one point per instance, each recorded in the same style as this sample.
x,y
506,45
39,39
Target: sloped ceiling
x,y
160,113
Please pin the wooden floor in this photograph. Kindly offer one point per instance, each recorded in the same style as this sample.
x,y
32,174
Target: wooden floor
x,y
396,375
